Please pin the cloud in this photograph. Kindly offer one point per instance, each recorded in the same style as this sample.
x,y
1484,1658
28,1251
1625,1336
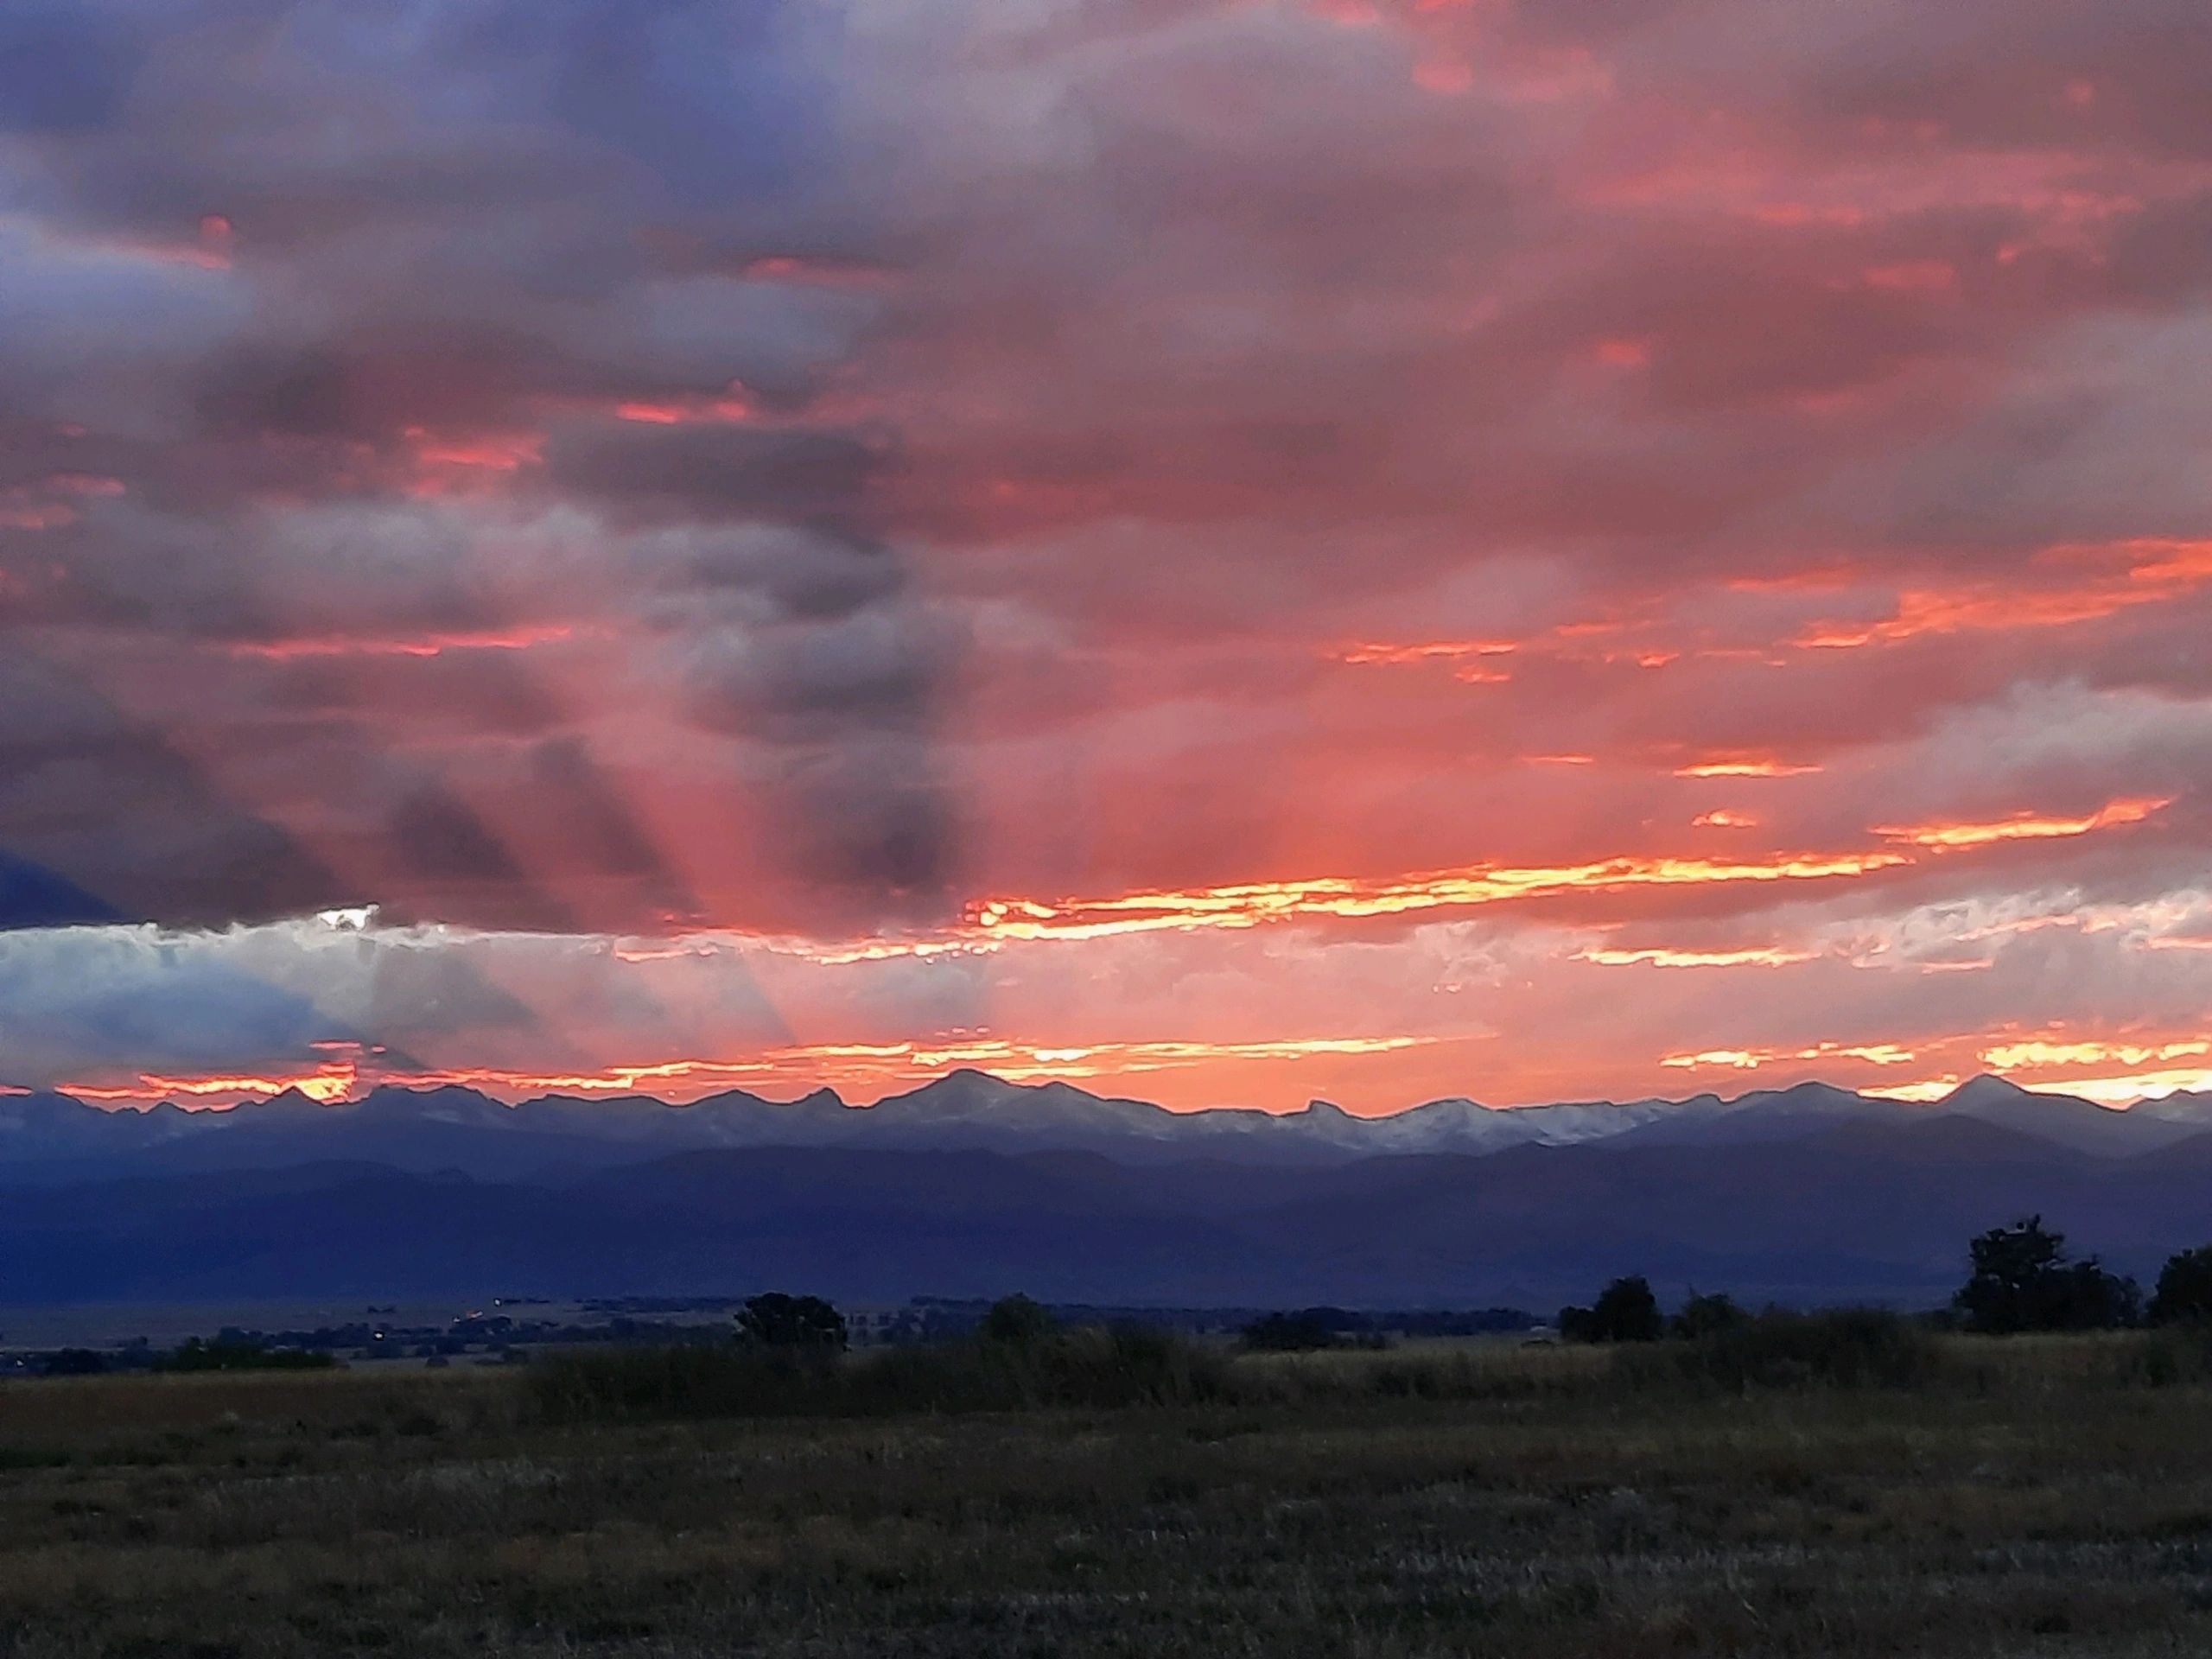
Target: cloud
x,y
792,472
66,71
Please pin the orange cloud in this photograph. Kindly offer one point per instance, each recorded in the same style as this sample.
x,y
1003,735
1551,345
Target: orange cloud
x,y
2057,1061
426,644
2023,826
693,412
499,451
852,1068
1751,1059
1468,659
2151,570
2130,1087
2042,1053
331,1082
1746,766
1658,956
1254,904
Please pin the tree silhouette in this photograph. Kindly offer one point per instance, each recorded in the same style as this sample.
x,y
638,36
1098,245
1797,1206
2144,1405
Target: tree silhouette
x,y
2185,1292
776,1320
1707,1316
1625,1311
1016,1321
2021,1280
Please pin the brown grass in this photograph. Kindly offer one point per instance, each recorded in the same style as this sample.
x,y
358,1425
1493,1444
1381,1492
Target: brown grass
x,y
2039,1498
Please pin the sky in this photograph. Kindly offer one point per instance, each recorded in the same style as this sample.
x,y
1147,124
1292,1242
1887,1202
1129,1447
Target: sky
x,y
1224,550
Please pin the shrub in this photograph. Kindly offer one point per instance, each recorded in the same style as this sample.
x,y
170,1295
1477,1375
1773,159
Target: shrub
x,y
233,1354
1127,1366
1846,1348
1016,1319
2170,1356
1289,1333
690,1380
1087,1368
1706,1315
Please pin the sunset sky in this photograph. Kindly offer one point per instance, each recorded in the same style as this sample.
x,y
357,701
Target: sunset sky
x,y
1226,551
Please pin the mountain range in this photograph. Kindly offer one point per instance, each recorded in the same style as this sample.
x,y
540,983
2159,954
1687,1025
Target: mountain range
x,y
972,1185
45,1137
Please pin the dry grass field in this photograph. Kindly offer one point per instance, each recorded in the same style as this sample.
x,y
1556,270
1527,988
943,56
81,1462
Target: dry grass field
x,y
2035,1497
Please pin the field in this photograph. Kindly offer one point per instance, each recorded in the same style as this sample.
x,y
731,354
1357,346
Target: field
x,y
2037,1496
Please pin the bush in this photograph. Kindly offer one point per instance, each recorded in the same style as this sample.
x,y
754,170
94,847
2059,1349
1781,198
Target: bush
x,y
2170,1356
1844,1348
1124,1366
1706,1315
1017,1321
1086,1368
692,1380
1289,1333
222,1355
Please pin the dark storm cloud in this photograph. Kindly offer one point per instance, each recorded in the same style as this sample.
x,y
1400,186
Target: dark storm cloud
x,y
446,105
444,843
61,70
102,807
2134,69
276,341
825,666
802,571
711,472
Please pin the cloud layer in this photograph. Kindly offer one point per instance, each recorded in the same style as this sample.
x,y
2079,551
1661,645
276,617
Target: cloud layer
x,y
1240,547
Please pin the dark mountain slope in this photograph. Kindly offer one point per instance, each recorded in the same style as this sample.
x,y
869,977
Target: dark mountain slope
x,y
1864,1210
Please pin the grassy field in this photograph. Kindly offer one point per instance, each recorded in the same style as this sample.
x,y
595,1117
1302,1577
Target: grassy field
x,y
2035,1497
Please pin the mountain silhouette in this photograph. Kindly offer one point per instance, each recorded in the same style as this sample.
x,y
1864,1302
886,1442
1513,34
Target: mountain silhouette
x,y
48,1137
973,1186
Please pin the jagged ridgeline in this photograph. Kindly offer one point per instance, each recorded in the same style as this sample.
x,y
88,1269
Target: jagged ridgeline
x,y
972,1185
54,1137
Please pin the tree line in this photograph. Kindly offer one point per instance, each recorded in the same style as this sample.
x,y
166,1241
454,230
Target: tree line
x,y
2020,1278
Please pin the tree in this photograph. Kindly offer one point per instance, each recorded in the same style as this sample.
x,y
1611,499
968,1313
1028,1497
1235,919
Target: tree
x,y
2010,1268
1706,1315
2021,1280
1625,1311
2185,1292
2092,1298
1016,1321
776,1320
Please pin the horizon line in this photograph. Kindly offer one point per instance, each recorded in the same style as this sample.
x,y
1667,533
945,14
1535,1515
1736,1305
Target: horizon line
x,y
247,1092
